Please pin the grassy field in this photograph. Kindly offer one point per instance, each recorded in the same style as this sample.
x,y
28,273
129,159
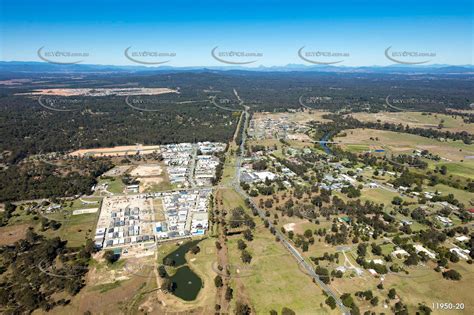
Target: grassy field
x,y
380,195
276,281
165,185
462,169
74,228
418,120
270,268
423,285
78,204
116,185
398,143
463,196
114,290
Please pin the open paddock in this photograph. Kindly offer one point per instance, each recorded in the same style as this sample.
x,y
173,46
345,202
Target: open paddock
x,y
418,120
403,143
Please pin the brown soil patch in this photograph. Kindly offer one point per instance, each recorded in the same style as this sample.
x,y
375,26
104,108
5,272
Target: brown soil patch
x,y
116,151
13,233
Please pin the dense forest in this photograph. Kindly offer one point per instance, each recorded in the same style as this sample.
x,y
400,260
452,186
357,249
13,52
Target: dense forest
x,y
37,179
28,128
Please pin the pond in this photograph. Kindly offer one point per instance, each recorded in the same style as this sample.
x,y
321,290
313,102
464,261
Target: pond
x,y
179,254
188,284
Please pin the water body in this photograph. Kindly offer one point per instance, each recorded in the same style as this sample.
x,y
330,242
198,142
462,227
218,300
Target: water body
x,y
187,282
324,145
179,254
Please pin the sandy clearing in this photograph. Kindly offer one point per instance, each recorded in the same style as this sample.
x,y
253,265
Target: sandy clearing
x,y
116,151
13,233
147,170
148,182
101,91
289,227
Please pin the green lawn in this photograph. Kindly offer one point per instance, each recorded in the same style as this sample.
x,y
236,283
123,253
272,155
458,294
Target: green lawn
x,y
116,185
276,281
380,195
462,195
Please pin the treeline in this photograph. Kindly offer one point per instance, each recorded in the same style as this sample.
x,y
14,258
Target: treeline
x,y
33,279
37,180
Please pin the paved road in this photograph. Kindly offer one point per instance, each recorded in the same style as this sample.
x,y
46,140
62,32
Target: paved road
x,y
283,239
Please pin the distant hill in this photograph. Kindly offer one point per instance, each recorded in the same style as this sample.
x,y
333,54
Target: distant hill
x,y
44,67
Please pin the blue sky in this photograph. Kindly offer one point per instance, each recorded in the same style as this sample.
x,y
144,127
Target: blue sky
x,y
362,30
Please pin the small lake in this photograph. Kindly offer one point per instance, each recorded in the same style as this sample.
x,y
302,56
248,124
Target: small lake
x,y
187,282
179,254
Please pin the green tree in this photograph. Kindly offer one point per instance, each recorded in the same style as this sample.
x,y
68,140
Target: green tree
x,y
287,311
218,281
392,293
331,302
110,256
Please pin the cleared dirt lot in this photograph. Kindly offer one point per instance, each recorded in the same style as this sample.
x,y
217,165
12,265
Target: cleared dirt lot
x,y
13,233
101,91
117,151
299,117
117,171
147,170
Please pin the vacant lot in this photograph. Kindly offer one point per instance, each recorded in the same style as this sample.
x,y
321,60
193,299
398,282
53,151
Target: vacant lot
x,y
117,151
146,170
13,233
298,117
418,120
381,195
115,289
101,91
423,285
117,171
399,143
